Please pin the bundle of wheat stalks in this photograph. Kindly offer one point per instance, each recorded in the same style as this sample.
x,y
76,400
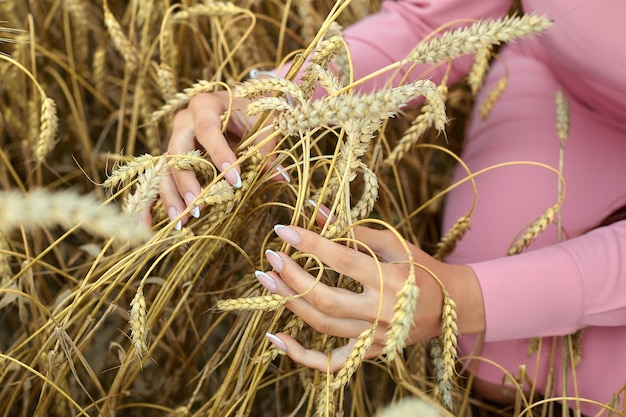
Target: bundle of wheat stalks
x,y
102,317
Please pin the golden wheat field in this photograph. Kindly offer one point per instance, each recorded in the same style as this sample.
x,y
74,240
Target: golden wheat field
x,y
102,317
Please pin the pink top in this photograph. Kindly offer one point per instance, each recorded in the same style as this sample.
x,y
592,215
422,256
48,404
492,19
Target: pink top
x,y
553,288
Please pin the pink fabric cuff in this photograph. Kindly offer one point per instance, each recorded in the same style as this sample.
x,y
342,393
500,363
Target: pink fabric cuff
x,y
538,293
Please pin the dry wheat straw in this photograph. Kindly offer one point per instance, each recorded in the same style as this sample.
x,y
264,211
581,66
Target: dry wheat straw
x,y
375,106
46,209
533,231
5,264
479,68
123,45
447,243
492,97
562,116
469,40
48,130
147,189
355,358
138,327
402,319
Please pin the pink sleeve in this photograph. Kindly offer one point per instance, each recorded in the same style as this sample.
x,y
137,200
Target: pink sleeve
x,y
557,289
390,34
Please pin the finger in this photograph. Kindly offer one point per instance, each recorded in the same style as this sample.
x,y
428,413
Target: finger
x,y
331,361
172,202
206,111
384,243
322,302
342,259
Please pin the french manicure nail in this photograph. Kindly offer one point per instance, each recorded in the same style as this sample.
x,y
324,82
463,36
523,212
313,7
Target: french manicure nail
x,y
287,234
274,260
321,209
267,281
189,200
276,342
283,173
173,213
232,176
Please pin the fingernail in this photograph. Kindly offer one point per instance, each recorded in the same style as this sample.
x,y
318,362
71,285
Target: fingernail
x,y
173,213
283,173
287,234
274,260
267,281
232,176
276,342
189,199
321,209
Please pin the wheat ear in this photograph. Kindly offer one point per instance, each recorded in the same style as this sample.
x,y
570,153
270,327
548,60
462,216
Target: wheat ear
x,y
138,327
264,302
123,45
127,172
181,99
562,116
447,243
355,358
483,34
45,209
402,318
479,68
48,129
147,189
533,231
492,97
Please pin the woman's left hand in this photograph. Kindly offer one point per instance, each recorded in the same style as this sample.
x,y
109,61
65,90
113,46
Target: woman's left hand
x,y
342,313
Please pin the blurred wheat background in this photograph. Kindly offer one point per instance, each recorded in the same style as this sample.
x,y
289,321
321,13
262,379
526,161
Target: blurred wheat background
x,y
100,317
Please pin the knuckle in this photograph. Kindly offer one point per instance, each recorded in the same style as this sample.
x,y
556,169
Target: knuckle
x,y
325,303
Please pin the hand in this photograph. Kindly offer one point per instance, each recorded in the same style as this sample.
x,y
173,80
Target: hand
x,y
200,126
342,313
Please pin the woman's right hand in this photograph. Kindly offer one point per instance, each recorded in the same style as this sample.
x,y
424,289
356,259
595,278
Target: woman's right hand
x,y
199,126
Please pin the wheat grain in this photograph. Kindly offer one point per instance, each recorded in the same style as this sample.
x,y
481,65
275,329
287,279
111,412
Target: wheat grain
x,y
492,97
138,327
45,209
533,231
355,358
123,45
483,34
